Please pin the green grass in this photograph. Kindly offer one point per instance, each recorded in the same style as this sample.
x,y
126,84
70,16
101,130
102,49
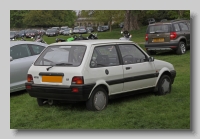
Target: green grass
x,y
142,111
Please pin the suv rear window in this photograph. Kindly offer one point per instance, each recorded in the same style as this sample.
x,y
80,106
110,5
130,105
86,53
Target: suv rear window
x,y
162,28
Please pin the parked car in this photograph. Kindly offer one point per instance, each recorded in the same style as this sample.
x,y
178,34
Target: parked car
x,y
22,33
57,28
101,29
62,29
22,55
89,29
68,31
31,33
121,25
106,27
41,32
168,36
82,30
13,35
76,30
94,71
51,32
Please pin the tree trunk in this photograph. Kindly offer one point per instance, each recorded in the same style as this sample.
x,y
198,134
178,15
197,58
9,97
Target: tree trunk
x,y
127,21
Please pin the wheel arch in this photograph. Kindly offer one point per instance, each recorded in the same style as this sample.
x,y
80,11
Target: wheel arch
x,y
102,84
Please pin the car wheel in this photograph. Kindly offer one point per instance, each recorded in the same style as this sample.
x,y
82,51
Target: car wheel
x,y
164,85
98,100
181,48
51,102
41,101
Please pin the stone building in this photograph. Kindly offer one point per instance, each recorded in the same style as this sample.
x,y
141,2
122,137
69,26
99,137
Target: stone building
x,y
87,22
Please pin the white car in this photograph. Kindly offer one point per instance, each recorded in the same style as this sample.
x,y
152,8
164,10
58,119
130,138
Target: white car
x,y
95,71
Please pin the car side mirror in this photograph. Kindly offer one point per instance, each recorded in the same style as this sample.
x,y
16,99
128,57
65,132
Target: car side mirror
x,y
11,59
151,59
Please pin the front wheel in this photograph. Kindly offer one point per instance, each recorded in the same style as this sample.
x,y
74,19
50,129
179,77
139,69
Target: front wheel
x,y
164,85
98,100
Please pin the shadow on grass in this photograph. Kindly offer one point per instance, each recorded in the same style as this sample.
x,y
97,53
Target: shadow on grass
x,y
18,93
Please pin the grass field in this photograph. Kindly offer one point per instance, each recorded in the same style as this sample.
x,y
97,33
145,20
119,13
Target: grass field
x,y
142,111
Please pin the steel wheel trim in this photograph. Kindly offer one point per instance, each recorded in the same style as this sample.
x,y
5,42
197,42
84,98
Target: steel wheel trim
x,y
99,100
165,86
183,49
50,102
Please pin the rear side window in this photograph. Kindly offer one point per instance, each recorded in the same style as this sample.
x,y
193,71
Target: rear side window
x,y
183,26
176,27
104,56
20,51
163,28
37,49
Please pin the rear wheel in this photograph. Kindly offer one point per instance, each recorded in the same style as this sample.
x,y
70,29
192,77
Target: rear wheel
x,y
164,85
181,48
41,101
98,100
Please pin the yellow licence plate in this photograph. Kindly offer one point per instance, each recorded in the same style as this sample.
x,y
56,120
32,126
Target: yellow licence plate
x,y
158,40
54,79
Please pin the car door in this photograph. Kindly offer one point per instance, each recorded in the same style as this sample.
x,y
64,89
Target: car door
x,y
139,73
19,65
106,68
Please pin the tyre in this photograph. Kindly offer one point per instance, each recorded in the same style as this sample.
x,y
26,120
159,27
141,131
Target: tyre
x,y
164,85
41,101
98,100
181,48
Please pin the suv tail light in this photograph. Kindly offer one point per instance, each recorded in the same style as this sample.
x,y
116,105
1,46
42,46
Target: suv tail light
x,y
77,80
146,37
173,35
29,78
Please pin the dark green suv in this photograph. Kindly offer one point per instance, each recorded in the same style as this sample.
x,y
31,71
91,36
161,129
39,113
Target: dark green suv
x,y
169,35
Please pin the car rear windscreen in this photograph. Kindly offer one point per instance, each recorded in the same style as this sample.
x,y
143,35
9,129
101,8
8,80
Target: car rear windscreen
x,y
162,28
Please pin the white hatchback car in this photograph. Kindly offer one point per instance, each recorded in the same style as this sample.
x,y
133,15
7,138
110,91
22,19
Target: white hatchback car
x,y
95,71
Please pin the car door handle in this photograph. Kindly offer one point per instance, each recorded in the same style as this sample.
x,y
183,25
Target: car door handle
x,y
128,68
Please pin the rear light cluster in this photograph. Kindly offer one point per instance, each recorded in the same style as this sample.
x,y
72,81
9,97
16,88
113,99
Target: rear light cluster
x,y
29,78
77,80
146,37
173,35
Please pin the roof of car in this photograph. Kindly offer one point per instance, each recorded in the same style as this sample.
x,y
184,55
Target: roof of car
x,y
92,42
168,21
26,42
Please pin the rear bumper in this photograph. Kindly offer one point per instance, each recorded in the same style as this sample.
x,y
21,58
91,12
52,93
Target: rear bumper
x,y
59,92
162,46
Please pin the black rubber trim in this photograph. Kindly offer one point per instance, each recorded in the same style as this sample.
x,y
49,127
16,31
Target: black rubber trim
x,y
134,78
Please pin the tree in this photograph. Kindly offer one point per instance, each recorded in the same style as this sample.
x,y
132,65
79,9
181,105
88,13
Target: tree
x,y
48,18
106,16
16,18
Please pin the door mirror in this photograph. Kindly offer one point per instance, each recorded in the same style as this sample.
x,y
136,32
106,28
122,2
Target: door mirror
x,y
151,59
11,59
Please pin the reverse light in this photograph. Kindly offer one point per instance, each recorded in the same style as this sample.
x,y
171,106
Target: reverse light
x,y
29,78
173,35
77,80
146,37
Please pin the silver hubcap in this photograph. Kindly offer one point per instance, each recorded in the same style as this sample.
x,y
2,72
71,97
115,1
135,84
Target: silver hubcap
x,y
165,86
50,102
99,100
183,49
